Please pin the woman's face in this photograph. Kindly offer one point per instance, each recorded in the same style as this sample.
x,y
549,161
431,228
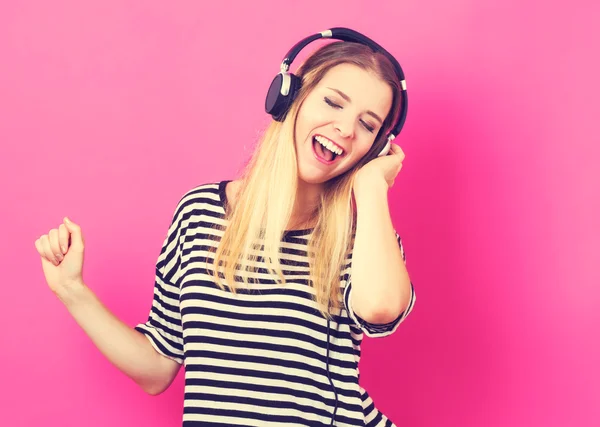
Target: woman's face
x,y
347,109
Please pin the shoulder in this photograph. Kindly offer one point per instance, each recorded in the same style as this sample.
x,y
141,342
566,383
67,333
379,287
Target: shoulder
x,y
210,189
203,196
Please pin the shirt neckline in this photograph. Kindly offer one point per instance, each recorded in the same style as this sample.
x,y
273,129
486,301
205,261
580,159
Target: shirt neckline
x,y
224,204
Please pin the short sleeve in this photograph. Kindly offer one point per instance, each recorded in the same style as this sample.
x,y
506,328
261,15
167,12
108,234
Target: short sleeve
x,y
163,328
374,330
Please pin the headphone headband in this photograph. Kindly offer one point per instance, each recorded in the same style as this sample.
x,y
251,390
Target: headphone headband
x,y
285,84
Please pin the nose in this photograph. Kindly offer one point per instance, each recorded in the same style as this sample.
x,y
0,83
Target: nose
x,y
345,127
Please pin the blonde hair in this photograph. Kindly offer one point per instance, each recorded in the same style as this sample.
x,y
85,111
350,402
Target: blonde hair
x,y
267,193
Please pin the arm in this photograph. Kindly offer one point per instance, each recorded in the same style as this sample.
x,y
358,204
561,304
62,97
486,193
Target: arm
x,y
127,349
381,285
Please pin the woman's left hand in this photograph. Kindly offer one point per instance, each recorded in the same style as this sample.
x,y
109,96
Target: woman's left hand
x,y
384,168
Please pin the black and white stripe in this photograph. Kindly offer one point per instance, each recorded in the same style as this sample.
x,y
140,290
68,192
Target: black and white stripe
x,y
255,358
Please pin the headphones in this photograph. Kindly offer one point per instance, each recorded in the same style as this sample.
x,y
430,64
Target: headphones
x,y
285,86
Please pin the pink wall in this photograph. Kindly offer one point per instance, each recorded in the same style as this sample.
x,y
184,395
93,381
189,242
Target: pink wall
x,y
110,111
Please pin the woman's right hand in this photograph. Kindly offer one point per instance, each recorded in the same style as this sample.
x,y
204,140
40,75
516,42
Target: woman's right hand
x,y
62,256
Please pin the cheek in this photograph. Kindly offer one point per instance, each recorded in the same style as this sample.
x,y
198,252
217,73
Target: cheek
x,y
361,151
300,128
304,126
355,157
310,115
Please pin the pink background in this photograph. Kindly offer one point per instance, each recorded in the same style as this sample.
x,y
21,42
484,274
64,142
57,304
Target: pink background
x,y
110,111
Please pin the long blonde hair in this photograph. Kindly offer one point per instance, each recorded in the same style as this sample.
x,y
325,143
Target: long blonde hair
x,y
267,193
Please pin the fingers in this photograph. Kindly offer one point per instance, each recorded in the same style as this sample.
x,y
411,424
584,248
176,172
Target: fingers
x,y
76,235
63,238
54,245
395,149
39,247
44,248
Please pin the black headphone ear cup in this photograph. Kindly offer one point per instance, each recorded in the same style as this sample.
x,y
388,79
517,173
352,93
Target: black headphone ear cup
x,y
276,104
295,84
274,100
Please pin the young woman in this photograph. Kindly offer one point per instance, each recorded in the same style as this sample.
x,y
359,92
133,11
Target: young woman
x,y
308,261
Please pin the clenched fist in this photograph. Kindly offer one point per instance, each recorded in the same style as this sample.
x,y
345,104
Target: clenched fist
x,y
62,256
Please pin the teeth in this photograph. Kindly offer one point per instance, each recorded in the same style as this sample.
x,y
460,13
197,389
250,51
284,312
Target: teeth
x,y
329,145
323,142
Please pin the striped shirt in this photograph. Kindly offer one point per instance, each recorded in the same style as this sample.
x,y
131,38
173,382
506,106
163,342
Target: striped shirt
x,y
258,357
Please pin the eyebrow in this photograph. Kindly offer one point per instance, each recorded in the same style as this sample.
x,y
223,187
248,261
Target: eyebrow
x,y
347,98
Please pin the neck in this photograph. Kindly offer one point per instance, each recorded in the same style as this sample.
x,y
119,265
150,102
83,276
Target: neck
x,y
307,200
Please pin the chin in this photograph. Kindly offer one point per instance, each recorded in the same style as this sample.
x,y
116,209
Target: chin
x,y
313,180
316,178
315,175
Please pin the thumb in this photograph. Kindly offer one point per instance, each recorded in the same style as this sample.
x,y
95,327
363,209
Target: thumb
x,y
76,235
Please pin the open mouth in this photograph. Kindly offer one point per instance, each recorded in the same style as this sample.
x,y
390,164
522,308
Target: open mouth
x,y
325,151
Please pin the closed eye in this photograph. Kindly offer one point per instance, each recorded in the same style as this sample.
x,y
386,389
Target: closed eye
x,y
331,104
334,105
367,127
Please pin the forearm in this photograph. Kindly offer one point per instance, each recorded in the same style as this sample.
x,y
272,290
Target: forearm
x,y
127,349
380,282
